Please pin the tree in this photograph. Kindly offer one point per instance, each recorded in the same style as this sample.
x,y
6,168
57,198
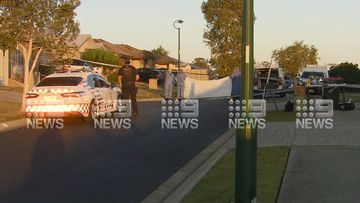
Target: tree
x,y
350,72
201,62
295,57
160,51
266,64
101,56
36,26
223,34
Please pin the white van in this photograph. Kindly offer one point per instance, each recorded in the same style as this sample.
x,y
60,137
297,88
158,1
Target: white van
x,y
314,74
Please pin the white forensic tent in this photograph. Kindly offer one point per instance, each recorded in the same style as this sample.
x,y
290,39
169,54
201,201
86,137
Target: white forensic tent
x,y
196,89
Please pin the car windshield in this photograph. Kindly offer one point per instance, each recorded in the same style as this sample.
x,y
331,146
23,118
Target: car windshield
x,y
312,74
60,81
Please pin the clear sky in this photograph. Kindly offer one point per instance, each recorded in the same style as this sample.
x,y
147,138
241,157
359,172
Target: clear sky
x,y
333,26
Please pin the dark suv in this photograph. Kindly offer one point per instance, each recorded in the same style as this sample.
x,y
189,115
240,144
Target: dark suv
x,y
149,73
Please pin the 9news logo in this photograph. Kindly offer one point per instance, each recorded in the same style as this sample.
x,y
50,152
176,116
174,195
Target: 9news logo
x,y
314,114
120,119
182,114
244,114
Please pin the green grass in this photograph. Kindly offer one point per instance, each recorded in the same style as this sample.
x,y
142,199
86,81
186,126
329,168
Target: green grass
x,y
145,93
10,111
355,98
280,116
218,185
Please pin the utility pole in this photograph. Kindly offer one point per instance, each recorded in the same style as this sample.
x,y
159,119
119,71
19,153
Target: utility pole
x,y
246,139
178,29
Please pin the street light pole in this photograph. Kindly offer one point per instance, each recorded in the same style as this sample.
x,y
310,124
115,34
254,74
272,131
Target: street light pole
x,y
178,29
246,138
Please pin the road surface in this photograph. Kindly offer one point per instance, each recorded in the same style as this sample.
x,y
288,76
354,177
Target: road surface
x,y
82,164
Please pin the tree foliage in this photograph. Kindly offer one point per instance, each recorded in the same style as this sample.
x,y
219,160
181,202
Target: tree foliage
x,y
201,62
266,64
35,26
101,56
223,34
295,57
350,72
160,51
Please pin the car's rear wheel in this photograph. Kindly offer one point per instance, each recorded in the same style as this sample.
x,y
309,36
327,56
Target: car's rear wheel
x,y
92,112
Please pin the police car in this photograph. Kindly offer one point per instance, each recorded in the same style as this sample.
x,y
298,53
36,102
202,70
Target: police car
x,y
72,93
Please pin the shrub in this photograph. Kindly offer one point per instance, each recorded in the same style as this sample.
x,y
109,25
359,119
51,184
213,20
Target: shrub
x,y
113,77
350,72
101,56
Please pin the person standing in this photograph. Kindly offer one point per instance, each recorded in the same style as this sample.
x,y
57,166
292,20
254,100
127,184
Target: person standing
x,y
168,85
236,84
127,77
180,84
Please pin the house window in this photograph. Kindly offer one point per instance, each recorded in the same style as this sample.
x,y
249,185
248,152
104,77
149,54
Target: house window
x,y
16,61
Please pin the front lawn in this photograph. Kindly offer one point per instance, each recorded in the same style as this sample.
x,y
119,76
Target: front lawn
x,y
218,185
9,111
145,93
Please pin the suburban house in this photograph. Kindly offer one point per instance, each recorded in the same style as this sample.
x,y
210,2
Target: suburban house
x,y
11,62
139,58
11,66
166,62
4,68
82,43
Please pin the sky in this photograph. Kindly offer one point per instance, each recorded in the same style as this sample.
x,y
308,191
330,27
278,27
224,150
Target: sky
x,y
333,26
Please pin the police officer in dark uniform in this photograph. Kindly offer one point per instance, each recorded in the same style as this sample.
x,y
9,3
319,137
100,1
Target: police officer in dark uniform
x,y
127,76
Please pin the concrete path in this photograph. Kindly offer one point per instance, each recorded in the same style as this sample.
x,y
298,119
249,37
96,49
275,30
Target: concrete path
x,y
323,164
322,174
346,132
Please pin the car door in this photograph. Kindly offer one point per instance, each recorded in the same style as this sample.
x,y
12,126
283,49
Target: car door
x,y
106,92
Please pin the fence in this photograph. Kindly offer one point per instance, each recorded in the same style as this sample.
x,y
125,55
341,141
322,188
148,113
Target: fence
x,y
197,74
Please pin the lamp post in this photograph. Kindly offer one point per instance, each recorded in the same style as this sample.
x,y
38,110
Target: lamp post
x,y
178,29
246,138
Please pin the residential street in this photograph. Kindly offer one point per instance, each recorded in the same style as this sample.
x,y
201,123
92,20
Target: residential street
x,y
80,164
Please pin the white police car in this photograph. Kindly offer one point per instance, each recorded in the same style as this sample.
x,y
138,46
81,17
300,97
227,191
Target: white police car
x,y
67,94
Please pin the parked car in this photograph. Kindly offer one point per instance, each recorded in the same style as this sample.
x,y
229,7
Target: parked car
x,y
79,65
289,84
150,73
314,75
276,81
72,94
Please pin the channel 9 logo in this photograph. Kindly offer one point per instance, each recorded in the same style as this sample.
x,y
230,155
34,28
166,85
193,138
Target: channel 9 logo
x,y
314,114
120,119
182,114
255,118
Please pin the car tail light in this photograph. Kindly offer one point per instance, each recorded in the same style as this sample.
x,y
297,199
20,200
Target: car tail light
x,y
73,94
31,95
82,82
255,82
